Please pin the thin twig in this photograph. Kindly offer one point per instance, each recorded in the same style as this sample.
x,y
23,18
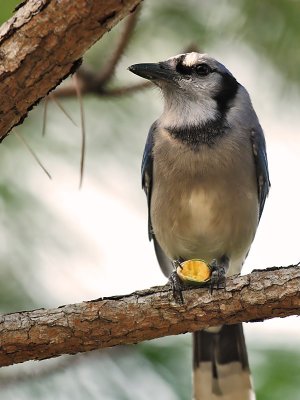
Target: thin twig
x,y
125,90
83,133
61,107
32,152
45,116
70,91
108,70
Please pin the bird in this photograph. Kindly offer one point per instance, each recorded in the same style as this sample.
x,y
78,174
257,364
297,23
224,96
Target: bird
x,y
205,175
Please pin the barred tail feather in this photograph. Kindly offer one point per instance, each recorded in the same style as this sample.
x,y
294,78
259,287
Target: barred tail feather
x,y
221,369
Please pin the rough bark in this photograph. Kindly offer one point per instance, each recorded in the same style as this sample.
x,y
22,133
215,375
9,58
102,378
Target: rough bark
x,y
148,314
41,45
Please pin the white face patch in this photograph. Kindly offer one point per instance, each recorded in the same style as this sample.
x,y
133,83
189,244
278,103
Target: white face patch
x,y
192,113
191,59
190,99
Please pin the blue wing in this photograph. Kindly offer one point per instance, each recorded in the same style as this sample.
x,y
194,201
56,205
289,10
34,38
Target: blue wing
x,y
147,181
261,165
147,173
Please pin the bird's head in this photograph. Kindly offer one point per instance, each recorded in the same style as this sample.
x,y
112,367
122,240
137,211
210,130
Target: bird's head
x,y
193,84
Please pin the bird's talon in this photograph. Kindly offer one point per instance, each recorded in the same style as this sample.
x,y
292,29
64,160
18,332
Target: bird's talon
x,y
217,280
176,264
177,287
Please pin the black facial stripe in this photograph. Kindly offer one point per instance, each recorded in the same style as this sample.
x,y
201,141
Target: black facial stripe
x,y
183,69
227,92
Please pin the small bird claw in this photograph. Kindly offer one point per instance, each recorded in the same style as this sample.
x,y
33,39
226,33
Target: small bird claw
x,y
177,287
217,280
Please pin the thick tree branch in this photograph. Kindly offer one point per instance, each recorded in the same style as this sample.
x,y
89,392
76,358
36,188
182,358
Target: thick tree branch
x,y
148,314
41,44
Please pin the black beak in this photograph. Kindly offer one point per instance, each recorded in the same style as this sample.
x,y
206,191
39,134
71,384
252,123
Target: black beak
x,y
152,71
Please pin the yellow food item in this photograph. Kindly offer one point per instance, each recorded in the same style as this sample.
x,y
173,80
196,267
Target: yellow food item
x,y
194,271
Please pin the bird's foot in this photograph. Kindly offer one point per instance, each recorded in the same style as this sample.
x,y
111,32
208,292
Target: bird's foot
x,y
218,274
176,284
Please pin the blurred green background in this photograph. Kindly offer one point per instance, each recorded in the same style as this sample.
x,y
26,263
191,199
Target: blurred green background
x,y
61,245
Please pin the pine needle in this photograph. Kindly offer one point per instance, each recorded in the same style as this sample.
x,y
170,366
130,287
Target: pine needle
x,y
83,133
45,116
32,152
61,107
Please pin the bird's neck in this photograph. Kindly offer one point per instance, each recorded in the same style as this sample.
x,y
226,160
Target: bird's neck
x,y
193,123
180,111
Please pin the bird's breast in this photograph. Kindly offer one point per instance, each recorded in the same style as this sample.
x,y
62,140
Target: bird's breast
x,y
204,204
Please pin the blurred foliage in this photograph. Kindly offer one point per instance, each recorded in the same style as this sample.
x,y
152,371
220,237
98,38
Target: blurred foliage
x,y
13,204
272,28
32,232
7,9
276,372
157,369
140,372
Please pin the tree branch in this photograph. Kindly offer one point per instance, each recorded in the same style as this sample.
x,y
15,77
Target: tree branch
x,y
96,82
147,314
41,45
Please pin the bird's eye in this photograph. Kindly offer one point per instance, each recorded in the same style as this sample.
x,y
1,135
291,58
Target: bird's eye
x,y
202,69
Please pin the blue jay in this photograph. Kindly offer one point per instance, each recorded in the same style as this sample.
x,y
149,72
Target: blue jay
x,y
205,174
